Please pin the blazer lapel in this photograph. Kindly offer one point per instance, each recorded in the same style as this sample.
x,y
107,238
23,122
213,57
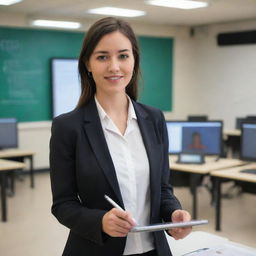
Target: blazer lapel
x,y
153,148
98,143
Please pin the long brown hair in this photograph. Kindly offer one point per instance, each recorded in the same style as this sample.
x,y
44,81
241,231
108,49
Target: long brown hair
x,y
96,32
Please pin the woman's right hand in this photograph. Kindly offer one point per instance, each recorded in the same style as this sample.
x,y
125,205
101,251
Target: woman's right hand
x,y
117,223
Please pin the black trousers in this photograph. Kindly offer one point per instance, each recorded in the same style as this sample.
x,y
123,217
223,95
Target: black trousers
x,y
150,253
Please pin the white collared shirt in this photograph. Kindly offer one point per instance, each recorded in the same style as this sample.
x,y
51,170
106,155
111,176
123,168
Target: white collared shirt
x,y
130,159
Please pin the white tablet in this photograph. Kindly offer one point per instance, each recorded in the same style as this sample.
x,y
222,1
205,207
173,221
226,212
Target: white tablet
x,y
168,225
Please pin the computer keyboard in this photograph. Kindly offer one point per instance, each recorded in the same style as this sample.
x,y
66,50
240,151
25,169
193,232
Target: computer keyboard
x,y
251,171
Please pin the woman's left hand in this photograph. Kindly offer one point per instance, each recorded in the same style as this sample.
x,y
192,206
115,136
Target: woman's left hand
x,y
180,216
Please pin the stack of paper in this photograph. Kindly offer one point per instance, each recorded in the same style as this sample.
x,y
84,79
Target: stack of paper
x,y
223,250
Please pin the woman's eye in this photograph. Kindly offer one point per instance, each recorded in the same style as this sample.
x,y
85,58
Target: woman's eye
x,y
124,56
102,57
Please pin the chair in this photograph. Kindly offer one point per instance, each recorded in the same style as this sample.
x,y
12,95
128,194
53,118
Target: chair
x,y
200,118
250,118
246,187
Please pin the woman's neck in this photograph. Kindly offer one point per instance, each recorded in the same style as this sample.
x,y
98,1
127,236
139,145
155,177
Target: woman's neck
x,y
114,105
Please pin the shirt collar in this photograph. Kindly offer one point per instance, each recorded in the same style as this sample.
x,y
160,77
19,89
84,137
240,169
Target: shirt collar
x,y
131,111
101,111
103,115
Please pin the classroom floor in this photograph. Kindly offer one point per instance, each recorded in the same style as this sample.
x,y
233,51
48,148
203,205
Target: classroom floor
x,y
32,231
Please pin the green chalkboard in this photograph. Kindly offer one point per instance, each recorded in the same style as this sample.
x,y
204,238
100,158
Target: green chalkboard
x,y
25,78
156,65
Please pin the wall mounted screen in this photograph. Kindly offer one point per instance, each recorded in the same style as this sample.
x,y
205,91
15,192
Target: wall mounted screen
x,y
65,85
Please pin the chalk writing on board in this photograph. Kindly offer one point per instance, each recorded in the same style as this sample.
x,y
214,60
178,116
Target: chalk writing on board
x,y
21,80
9,45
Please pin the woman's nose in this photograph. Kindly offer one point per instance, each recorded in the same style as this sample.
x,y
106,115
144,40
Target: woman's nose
x,y
113,65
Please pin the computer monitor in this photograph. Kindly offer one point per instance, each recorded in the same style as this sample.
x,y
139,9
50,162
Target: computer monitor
x,y
248,141
8,133
195,137
239,121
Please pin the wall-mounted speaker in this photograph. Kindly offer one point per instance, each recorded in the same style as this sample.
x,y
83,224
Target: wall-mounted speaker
x,y
236,38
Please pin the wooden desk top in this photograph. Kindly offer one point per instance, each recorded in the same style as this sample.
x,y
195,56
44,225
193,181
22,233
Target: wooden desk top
x,y
209,166
15,153
234,173
7,165
233,132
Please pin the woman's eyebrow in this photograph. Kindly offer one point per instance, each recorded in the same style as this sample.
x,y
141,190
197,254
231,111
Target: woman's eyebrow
x,y
100,52
105,52
124,50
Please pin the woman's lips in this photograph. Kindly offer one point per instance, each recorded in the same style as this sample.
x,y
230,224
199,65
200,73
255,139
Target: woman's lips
x,y
113,78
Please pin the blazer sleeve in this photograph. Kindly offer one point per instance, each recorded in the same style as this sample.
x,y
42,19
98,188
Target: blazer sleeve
x,y
169,203
67,207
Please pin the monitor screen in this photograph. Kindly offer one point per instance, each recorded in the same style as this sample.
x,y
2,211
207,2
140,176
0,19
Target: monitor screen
x,y
195,137
8,133
248,141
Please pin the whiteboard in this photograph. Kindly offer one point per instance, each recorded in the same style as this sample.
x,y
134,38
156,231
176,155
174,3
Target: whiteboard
x,y
65,85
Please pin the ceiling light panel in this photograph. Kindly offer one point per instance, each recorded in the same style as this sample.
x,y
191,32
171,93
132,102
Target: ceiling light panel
x,y
112,11
56,24
9,2
181,4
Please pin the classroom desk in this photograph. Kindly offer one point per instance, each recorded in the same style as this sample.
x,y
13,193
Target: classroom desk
x,y
231,174
198,239
197,171
5,167
19,153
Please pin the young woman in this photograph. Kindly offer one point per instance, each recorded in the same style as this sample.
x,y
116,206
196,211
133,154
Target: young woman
x,y
112,145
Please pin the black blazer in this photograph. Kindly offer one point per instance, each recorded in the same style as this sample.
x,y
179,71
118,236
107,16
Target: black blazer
x,y
82,172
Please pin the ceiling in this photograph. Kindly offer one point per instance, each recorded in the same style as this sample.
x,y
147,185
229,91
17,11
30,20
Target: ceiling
x,y
219,11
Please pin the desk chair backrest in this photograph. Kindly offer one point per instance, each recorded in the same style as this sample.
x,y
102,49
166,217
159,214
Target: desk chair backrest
x,y
251,118
201,118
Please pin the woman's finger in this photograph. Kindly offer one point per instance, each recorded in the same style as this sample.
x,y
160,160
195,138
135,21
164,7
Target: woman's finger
x,y
116,223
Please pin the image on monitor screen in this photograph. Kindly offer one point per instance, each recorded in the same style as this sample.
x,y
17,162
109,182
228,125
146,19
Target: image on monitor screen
x,y
8,133
248,141
195,137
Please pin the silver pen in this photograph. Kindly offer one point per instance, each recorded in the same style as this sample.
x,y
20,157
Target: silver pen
x,y
113,203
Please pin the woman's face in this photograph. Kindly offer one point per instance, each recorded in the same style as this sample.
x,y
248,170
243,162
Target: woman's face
x,y
112,63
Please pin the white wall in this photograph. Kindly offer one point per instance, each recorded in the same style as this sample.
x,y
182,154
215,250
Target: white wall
x,y
183,77
35,136
223,79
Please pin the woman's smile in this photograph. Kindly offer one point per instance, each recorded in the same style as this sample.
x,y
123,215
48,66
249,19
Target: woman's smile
x,y
114,79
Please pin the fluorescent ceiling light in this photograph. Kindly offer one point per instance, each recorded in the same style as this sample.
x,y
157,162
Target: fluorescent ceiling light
x,y
117,12
56,24
9,2
182,4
